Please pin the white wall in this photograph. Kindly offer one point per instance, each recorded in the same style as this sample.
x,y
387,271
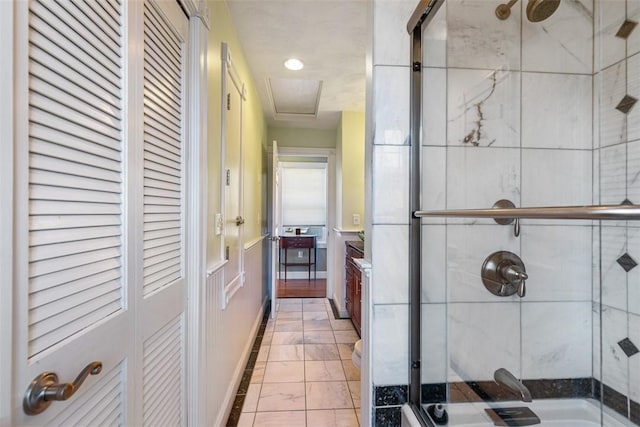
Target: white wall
x,y
230,331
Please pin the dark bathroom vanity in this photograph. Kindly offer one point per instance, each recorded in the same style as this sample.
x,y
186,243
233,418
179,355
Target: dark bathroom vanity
x,y
353,282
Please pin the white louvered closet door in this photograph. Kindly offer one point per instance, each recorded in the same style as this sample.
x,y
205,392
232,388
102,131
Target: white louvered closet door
x,y
162,316
99,217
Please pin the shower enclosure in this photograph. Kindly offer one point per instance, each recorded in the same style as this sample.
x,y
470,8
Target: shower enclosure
x,y
525,316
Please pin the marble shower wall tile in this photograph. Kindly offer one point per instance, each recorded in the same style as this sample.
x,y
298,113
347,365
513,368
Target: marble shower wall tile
x,y
391,105
434,96
634,361
390,37
610,14
556,111
467,248
483,108
563,43
633,14
556,339
390,184
483,338
558,262
596,341
477,39
633,89
434,264
633,276
434,40
434,175
613,178
613,123
390,252
556,177
614,278
390,345
434,343
615,363
479,177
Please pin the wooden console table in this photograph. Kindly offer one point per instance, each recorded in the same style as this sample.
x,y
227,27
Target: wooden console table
x,y
297,242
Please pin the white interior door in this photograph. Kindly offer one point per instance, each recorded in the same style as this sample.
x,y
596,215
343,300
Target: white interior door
x,y
275,227
98,211
233,182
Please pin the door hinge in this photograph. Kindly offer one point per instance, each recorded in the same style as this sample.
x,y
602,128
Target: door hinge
x,y
228,176
228,102
226,253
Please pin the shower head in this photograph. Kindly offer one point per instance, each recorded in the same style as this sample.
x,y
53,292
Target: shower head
x,y
537,10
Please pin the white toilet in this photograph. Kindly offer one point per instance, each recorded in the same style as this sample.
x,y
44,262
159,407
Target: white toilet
x,y
357,352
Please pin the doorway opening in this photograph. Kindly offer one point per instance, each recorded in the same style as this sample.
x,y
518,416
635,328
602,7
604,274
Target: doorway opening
x,y
302,254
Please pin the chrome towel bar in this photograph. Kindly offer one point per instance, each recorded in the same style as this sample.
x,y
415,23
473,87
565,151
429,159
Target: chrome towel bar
x,y
597,212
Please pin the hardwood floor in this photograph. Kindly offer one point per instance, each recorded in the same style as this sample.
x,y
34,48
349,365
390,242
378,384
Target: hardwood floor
x,y
302,288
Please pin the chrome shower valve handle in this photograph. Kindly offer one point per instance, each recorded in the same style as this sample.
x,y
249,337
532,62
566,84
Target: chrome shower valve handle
x,y
503,274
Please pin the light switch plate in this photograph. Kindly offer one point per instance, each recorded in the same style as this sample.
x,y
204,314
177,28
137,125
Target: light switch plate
x,y
218,224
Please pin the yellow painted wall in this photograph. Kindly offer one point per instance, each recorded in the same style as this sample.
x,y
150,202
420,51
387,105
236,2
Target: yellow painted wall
x,y
253,127
351,147
302,137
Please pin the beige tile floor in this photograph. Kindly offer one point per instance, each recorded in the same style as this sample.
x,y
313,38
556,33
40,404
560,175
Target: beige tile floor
x,y
304,376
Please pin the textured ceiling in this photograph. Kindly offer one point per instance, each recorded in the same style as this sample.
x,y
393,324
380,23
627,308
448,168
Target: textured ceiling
x,y
329,36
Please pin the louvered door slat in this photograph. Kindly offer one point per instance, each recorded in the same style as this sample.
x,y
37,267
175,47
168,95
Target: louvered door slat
x,y
161,209
77,101
53,222
87,29
97,400
69,80
43,192
159,221
160,193
45,53
78,233
75,176
161,108
162,232
53,149
162,122
70,117
161,185
163,371
48,337
100,66
56,179
162,248
164,162
164,151
162,169
111,7
43,312
48,207
161,87
169,42
73,276
161,56
161,242
47,296
163,224
108,21
48,266
77,168
162,201
156,137
56,125
64,249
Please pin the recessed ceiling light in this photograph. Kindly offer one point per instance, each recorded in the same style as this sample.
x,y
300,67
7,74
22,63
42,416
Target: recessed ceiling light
x,y
293,64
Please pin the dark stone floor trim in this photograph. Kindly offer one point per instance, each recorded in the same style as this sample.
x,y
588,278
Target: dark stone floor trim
x,y
336,312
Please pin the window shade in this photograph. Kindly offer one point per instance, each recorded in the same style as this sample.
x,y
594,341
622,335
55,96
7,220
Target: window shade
x,y
304,196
